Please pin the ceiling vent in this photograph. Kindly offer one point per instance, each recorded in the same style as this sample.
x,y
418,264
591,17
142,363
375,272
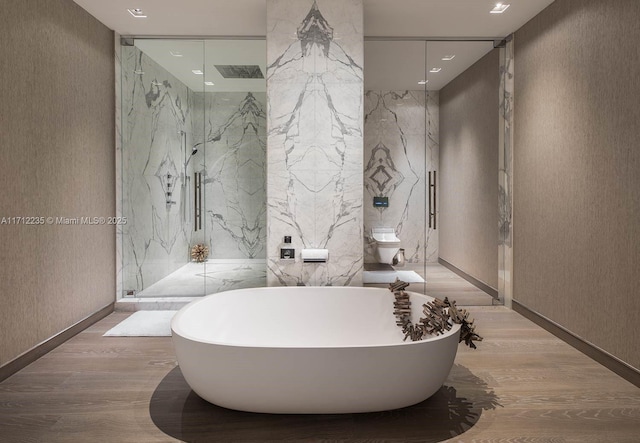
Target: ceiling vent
x,y
239,71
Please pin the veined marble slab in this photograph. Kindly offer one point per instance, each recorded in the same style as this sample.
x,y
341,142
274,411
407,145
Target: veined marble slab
x,y
234,172
157,138
169,133
315,138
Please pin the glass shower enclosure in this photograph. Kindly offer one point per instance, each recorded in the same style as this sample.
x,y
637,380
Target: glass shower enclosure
x,y
410,85
193,137
193,160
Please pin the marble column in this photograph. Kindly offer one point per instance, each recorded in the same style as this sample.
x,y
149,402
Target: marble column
x,y
315,139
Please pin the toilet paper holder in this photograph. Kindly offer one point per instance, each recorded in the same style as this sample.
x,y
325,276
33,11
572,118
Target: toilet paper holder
x,y
314,255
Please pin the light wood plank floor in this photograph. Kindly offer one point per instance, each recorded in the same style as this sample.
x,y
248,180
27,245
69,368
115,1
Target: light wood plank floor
x,y
442,282
520,385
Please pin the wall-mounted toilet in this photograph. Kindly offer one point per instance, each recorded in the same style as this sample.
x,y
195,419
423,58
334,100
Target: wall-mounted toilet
x,y
387,244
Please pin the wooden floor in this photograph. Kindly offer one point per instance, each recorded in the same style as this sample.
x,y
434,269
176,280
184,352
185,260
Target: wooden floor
x,y
442,282
520,385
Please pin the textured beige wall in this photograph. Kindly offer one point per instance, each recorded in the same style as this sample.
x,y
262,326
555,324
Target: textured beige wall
x,y
57,144
577,170
468,179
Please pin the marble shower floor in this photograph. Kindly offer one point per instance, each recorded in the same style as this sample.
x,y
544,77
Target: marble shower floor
x,y
198,279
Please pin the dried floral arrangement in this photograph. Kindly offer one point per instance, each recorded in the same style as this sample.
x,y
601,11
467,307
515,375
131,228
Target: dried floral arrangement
x,y
439,316
199,253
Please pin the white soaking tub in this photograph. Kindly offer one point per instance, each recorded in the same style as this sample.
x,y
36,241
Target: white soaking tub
x,y
308,350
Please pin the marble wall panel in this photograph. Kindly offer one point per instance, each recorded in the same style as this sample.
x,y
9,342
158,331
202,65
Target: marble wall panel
x,y
156,139
171,132
505,180
315,138
233,143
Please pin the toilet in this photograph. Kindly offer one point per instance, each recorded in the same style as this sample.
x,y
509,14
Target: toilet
x,y
387,244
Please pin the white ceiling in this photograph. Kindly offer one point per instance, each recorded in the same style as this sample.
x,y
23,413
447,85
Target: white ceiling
x,y
447,18
395,18
388,64
400,65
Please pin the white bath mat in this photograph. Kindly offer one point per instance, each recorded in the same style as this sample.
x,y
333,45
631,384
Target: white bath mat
x,y
144,324
377,277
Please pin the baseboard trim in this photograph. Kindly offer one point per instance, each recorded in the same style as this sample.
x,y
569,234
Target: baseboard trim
x,y
474,281
607,360
48,345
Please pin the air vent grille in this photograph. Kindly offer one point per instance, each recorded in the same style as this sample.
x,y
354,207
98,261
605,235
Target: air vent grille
x,y
239,71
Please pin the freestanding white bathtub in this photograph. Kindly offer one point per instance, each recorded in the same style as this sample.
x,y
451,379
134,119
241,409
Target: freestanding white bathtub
x,y
308,350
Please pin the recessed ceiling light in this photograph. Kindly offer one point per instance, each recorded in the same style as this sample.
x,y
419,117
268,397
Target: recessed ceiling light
x,y
447,58
137,13
499,8
423,82
434,70
197,71
175,53
209,83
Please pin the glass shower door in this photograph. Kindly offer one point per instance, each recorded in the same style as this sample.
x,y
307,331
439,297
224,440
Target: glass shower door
x,y
161,123
193,166
395,139
233,104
